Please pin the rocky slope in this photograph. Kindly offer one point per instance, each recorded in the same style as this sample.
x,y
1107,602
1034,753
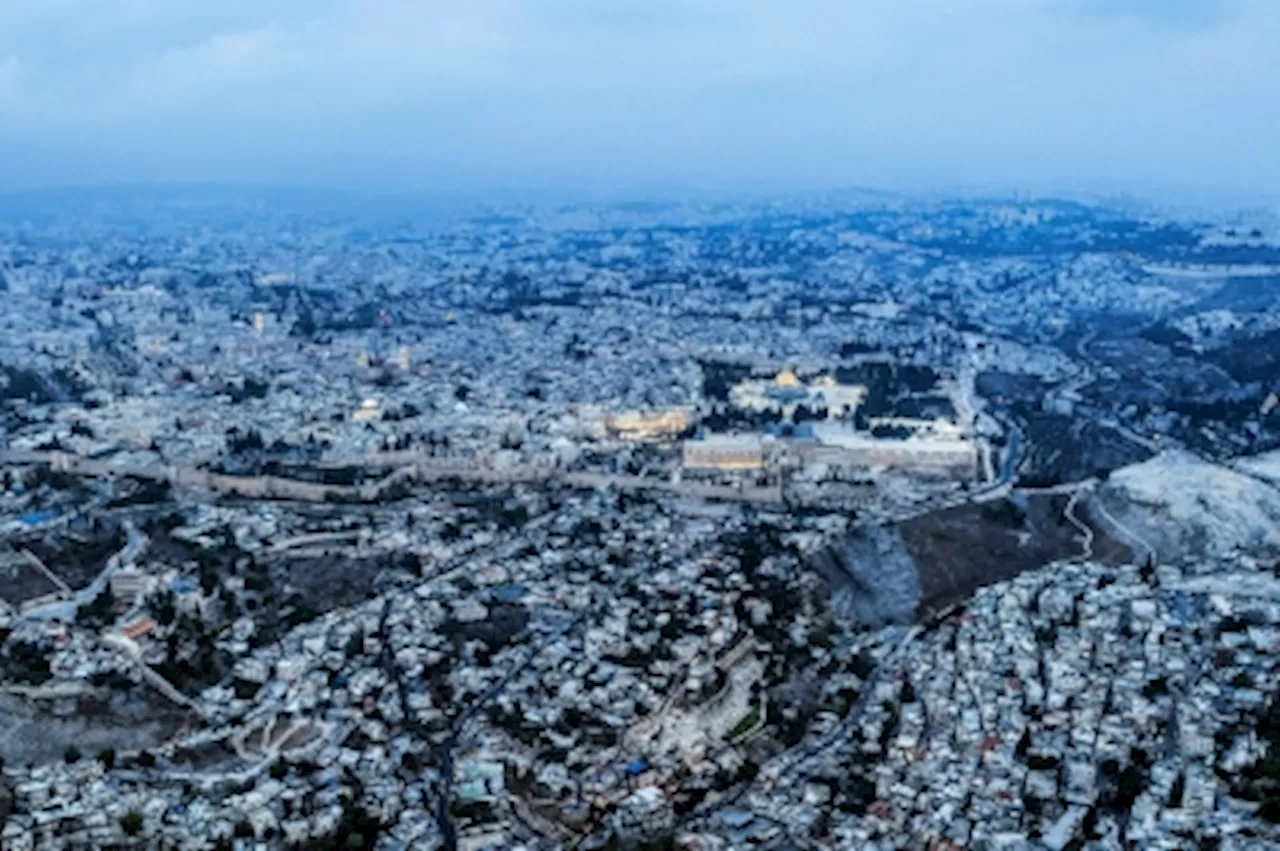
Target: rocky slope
x,y
1180,506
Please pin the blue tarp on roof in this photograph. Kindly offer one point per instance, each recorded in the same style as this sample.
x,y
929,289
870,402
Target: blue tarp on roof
x,y
510,593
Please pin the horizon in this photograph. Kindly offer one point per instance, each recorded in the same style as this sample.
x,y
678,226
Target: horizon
x,y
540,198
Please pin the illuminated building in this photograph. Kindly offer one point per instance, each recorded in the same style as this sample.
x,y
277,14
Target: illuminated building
x,y
724,452
367,412
648,425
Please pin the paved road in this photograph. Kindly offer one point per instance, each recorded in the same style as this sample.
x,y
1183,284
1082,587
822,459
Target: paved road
x,y
130,650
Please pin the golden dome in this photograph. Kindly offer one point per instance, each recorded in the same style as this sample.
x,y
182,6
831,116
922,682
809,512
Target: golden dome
x,y
786,378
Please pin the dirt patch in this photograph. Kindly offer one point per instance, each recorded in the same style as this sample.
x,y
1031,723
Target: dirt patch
x,y
20,581
327,582
960,549
909,571
40,732
208,756
78,554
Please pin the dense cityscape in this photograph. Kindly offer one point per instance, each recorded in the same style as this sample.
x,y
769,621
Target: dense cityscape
x,y
849,520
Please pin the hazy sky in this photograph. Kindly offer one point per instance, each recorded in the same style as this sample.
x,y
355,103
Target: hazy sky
x,y
1156,96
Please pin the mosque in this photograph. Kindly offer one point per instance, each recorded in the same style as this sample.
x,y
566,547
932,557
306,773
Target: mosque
x,y
786,392
919,445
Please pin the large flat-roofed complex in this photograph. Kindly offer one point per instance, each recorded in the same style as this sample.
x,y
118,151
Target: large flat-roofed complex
x,y
724,452
952,455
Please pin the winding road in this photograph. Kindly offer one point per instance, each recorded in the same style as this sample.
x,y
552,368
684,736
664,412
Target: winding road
x,y
1143,552
1086,531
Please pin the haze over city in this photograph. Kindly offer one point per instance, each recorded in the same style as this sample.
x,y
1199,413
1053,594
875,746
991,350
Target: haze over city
x,y
1171,99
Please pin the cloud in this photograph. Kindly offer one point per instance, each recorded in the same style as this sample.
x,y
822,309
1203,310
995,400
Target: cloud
x,y
1053,93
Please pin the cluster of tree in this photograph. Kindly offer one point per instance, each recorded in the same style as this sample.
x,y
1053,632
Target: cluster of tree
x,y
924,407
27,662
25,385
888,384
1008,385
144,492
1255,359
305,325
718,377
112,679
249,388
1241,254
577,349
192,659
726,418
1163,334
363,317
243,441
1260,782
407,411
891,432
248,454
1121,785
849,348
503,509
100,612
212,563
132,823
42,476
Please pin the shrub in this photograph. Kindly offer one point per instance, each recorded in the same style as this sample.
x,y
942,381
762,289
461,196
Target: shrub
x,y
131,823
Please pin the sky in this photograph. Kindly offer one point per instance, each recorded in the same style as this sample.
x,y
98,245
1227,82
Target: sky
x,y
1169,99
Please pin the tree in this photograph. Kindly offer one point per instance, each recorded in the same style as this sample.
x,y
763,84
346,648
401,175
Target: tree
x,y
71,754
28,663
1024,744
107,756
162,605
131,823
99,613
1176,792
